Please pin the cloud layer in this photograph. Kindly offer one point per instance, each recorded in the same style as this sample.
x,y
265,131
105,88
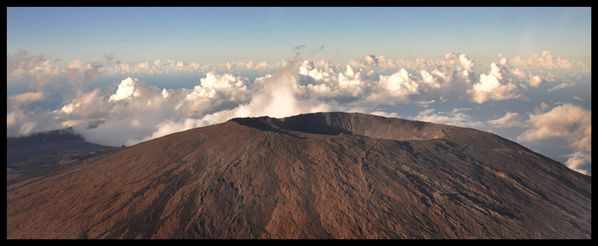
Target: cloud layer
x,y
566,121
135,111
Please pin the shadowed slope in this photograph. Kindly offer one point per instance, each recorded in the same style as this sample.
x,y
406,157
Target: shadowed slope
x,y
45,153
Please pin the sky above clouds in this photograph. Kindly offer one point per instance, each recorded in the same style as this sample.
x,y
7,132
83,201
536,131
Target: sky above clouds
x,y
201,34
126,75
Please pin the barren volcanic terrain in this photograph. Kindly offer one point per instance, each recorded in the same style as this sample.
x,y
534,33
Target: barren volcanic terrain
x,y
45,153
322,175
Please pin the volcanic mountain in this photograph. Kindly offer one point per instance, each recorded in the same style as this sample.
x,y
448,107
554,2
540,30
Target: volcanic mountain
x,y
321,175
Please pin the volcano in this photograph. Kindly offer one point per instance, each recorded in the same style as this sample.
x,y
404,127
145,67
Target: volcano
x,y
320,175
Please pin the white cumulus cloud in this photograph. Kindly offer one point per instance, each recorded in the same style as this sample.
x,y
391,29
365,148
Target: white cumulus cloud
x,y
508,120
400,84
535,81
492,88
579,161
566,121
125,90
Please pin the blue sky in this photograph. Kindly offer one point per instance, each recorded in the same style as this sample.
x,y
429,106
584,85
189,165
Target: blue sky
x,y
212,35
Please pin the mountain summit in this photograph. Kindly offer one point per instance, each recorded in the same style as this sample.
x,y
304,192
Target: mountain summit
x,y
321,175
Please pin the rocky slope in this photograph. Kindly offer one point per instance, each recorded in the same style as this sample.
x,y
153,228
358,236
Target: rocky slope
x,y
323,175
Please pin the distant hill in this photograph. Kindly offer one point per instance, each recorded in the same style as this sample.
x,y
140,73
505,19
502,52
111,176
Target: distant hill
x,y
45,153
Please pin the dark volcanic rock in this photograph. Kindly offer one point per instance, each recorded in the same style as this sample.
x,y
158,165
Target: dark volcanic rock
x,y
45,153
326,175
